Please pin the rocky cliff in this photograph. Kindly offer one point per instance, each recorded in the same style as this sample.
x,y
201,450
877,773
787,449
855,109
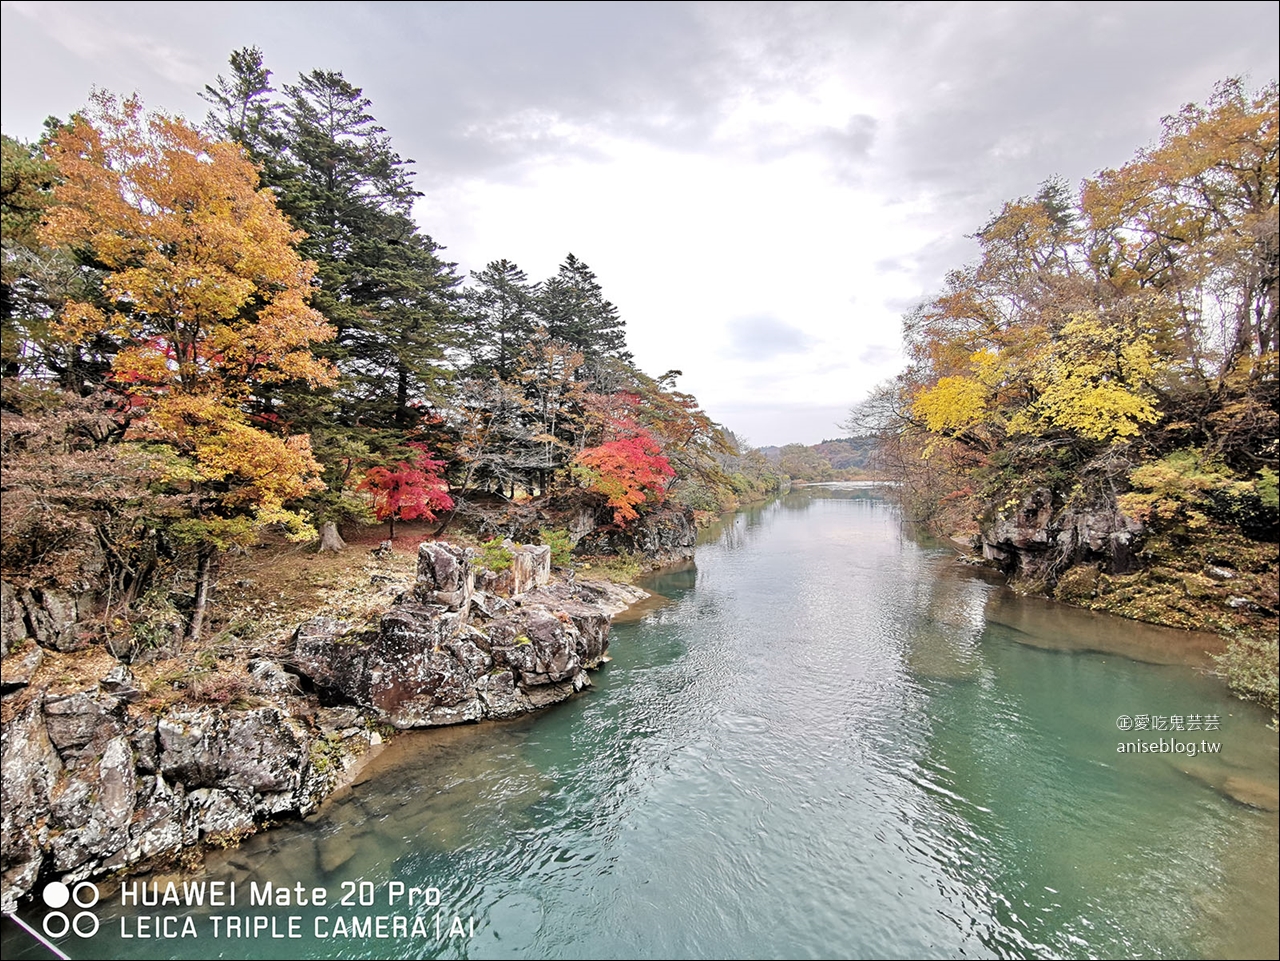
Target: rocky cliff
x,y
665,536
1038,538
101,780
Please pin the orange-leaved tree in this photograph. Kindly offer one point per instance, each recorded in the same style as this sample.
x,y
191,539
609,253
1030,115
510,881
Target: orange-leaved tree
x,y
626,472
204,298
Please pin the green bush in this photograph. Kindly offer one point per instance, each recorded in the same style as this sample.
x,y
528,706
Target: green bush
x,y
1185,490
1249,665
561,543
494,556
620,568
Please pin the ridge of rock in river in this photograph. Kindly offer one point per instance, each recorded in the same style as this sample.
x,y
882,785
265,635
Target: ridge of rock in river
x,y
96,784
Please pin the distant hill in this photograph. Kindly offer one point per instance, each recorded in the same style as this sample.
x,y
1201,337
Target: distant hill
x,y
848,452
840,459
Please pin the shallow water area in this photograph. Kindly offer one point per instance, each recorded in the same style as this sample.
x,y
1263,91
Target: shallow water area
x,y
828,740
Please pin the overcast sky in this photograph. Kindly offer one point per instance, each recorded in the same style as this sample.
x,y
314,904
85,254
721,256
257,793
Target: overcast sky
x,y
762,189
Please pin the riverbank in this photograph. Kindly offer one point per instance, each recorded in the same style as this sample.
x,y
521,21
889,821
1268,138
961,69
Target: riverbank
x,y
109,769
1210,580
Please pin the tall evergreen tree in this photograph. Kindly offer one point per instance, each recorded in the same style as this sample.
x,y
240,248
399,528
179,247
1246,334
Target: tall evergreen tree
x,y
380,281
574,311
349,190
36,279
242,111
499,312
406,295
26,184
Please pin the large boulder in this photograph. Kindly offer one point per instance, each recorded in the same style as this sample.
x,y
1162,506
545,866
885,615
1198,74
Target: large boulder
x,y
425,665
588,615
530,568
261,754
539,646
445,576
415,669
80,724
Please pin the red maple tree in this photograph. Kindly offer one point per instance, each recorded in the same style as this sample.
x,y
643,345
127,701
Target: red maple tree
x,y
408,491
628,472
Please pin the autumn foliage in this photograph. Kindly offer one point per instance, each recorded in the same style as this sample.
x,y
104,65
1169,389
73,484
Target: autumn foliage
x,y
1144,308
204,289
204,303
155,291
1111,358
408,491
627,473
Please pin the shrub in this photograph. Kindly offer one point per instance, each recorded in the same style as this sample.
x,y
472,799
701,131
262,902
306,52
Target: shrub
x,y
494,556
1249,666
561,543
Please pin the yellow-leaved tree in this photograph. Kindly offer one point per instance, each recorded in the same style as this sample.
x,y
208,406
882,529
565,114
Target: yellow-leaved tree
x,y
1114,354
204,300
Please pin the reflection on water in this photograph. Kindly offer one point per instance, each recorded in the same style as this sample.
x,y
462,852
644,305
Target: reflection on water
x,y
823,740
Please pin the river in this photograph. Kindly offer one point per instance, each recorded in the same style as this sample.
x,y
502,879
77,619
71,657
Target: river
x,y
827,739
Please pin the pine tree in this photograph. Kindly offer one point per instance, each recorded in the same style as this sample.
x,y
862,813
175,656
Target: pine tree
x,y
499,311
381,282
574,311
242,111
406,294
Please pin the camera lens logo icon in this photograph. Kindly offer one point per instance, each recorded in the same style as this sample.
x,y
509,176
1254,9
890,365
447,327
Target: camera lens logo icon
x,y
57,896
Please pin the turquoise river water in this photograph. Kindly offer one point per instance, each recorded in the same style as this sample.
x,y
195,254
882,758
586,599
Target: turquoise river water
x,y
826,739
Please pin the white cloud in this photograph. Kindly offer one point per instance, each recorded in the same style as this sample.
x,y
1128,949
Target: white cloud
x,y
811,169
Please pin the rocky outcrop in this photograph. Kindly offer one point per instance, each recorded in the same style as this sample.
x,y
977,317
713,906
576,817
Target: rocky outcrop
x,y
20,664
1040,538
448,652
530,567
95,782
50,617
665,535
93,786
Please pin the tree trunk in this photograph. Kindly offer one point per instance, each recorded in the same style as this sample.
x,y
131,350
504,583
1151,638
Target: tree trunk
x,y
330,539
204,569
445,526
402,397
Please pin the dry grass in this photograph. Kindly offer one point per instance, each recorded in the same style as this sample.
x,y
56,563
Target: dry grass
x,y
67,673
261,596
